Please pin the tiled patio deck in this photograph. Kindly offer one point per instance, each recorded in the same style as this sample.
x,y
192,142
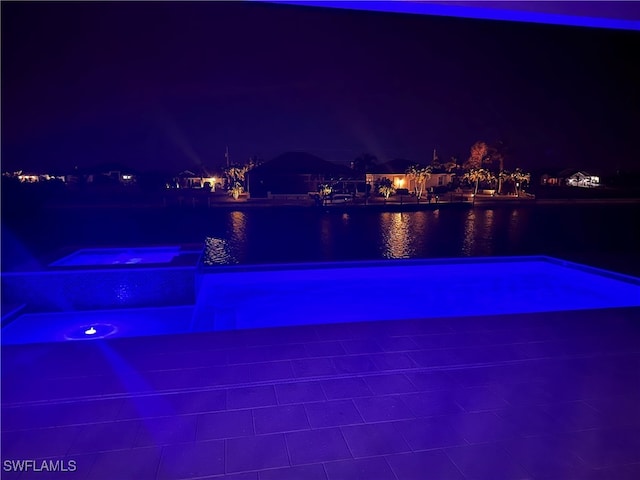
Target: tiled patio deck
x,y
541,396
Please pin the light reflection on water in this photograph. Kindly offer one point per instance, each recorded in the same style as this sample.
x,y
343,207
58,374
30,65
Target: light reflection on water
x,y
263,236
396,237
217,252
406,234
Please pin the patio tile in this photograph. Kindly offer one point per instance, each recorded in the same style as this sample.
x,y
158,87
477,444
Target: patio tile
x,y
619,472
374,439
72,413
332,413
256,453
147,406
345,388
474,399
489,461
389,383
380,409
532,420
546,456
191,460
166,431
357,346
173,404
423,465
428,404
224,375
354,364
365,468
179,360
605,448
101,437
392,361
199,402
248,397
133,463
299,392
315,446
429,433
428,381
398,344
313,367
271,371
38,443
482,427
618,410
280,419
218,425
437,358
324,349
238,476
306,472
539,393
571,416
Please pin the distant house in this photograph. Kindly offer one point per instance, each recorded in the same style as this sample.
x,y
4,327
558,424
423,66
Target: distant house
x,y
200,179
111,173
569,177
555,177
583,179
396,171
31,177
293,173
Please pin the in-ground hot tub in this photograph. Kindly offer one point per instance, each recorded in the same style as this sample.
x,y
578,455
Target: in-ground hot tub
x,y
93,279
239,297
101,257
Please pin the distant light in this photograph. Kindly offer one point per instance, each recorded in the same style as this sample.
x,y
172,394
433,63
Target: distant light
x,y
90,331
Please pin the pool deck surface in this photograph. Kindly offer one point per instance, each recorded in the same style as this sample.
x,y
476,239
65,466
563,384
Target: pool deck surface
x,y
531,396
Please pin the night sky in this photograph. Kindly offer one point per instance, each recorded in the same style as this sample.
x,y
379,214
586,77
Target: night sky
x,y
169,85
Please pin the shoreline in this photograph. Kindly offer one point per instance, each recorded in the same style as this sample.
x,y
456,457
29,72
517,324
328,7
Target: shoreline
x,y
375,206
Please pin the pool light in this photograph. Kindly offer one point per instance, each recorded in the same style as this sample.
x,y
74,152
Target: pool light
x,y
91,332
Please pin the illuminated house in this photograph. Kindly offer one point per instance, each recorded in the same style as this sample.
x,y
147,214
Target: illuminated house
x,y
583,179
201,179
395,170
293,173
570,177
111,173
30,177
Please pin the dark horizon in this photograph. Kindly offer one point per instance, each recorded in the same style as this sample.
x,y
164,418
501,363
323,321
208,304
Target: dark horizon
x,y
169,85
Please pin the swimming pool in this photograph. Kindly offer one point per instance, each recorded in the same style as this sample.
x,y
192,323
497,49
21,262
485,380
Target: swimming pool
x,y
257,296
237,297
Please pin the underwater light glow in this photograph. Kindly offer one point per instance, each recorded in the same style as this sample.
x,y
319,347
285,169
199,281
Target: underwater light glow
x,y
91,332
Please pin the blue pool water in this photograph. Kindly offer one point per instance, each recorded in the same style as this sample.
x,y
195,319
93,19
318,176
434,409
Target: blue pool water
x,y
118,256
244,296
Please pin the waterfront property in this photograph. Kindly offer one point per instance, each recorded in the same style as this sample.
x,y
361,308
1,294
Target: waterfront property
x,y
522,389
396,172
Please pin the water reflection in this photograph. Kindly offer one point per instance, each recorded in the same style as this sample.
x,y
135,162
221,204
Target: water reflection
x,y
479,233
218,252
396,236
515,232
326,237
238,231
